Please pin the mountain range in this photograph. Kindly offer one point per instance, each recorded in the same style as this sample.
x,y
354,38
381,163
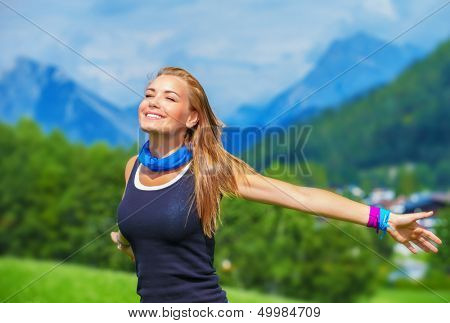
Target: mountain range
x,y
404,122
49,96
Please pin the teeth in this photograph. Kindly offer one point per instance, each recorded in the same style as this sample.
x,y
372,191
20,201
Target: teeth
x,y
151,115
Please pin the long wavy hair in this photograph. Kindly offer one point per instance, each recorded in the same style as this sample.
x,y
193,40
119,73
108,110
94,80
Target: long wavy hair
x,y
215,169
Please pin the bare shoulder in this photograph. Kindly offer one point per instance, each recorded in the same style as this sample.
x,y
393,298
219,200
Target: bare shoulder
x,y
129,167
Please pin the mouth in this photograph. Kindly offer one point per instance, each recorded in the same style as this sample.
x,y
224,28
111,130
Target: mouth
x,y
153,115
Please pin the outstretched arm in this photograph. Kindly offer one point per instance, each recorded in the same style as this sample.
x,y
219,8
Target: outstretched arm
x,y
403,228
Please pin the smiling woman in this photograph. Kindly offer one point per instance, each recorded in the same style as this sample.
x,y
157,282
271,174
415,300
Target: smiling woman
x,y
168,214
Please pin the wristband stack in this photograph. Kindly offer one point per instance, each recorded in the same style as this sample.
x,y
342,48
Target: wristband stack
x,y
378,219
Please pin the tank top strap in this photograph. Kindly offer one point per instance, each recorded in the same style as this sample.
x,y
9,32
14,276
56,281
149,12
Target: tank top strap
x,y
133,171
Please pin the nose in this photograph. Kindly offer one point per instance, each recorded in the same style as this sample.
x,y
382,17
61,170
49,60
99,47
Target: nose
x,y
154,102
151,101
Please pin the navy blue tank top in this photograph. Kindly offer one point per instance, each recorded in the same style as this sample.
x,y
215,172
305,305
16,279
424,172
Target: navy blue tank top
x,y
174,258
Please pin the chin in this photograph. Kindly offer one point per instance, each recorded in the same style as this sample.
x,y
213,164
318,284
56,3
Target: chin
x,y
151,129
147,125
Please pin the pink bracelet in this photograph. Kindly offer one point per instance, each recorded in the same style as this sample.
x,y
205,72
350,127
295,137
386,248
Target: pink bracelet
x,y
374,216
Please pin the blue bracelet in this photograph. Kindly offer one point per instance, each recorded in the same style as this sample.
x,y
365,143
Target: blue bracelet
x,y
383,223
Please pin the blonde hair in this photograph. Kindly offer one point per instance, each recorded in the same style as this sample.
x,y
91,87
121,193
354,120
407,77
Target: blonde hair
x,y
215,169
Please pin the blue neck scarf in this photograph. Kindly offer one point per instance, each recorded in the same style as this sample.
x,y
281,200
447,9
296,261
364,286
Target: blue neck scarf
x,y
179,157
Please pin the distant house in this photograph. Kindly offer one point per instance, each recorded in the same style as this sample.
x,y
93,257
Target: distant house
x,y
381,194
416,202
427,201
396,205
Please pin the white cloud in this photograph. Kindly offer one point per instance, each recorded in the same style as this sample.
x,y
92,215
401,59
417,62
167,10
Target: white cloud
x,y
384,8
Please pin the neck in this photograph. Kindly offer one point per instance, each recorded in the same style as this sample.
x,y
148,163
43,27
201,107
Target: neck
x,y
162,145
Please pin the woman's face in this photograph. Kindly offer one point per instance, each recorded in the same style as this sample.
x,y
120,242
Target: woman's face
x,y
165,108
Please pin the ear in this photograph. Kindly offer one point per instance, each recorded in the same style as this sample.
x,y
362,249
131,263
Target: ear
x,y
192,119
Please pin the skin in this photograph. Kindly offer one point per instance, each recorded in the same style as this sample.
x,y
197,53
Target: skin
x,y
167,136
404,229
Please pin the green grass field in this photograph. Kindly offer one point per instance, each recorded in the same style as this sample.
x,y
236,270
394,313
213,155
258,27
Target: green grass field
x,y
71,283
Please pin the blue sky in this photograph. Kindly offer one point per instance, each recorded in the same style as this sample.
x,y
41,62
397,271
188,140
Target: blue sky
x,y
241,51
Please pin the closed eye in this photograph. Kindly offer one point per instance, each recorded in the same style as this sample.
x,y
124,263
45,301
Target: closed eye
x,y
148,96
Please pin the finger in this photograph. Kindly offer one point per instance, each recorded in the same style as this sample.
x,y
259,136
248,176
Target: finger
x,y
421,245
430,235
410,247
115,237
421,215
428,244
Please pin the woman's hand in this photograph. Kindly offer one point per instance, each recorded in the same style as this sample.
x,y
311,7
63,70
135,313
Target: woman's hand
x,y
407,230
127,250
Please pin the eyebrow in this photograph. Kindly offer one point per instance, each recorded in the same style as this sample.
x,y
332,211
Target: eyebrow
x,y
166,91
